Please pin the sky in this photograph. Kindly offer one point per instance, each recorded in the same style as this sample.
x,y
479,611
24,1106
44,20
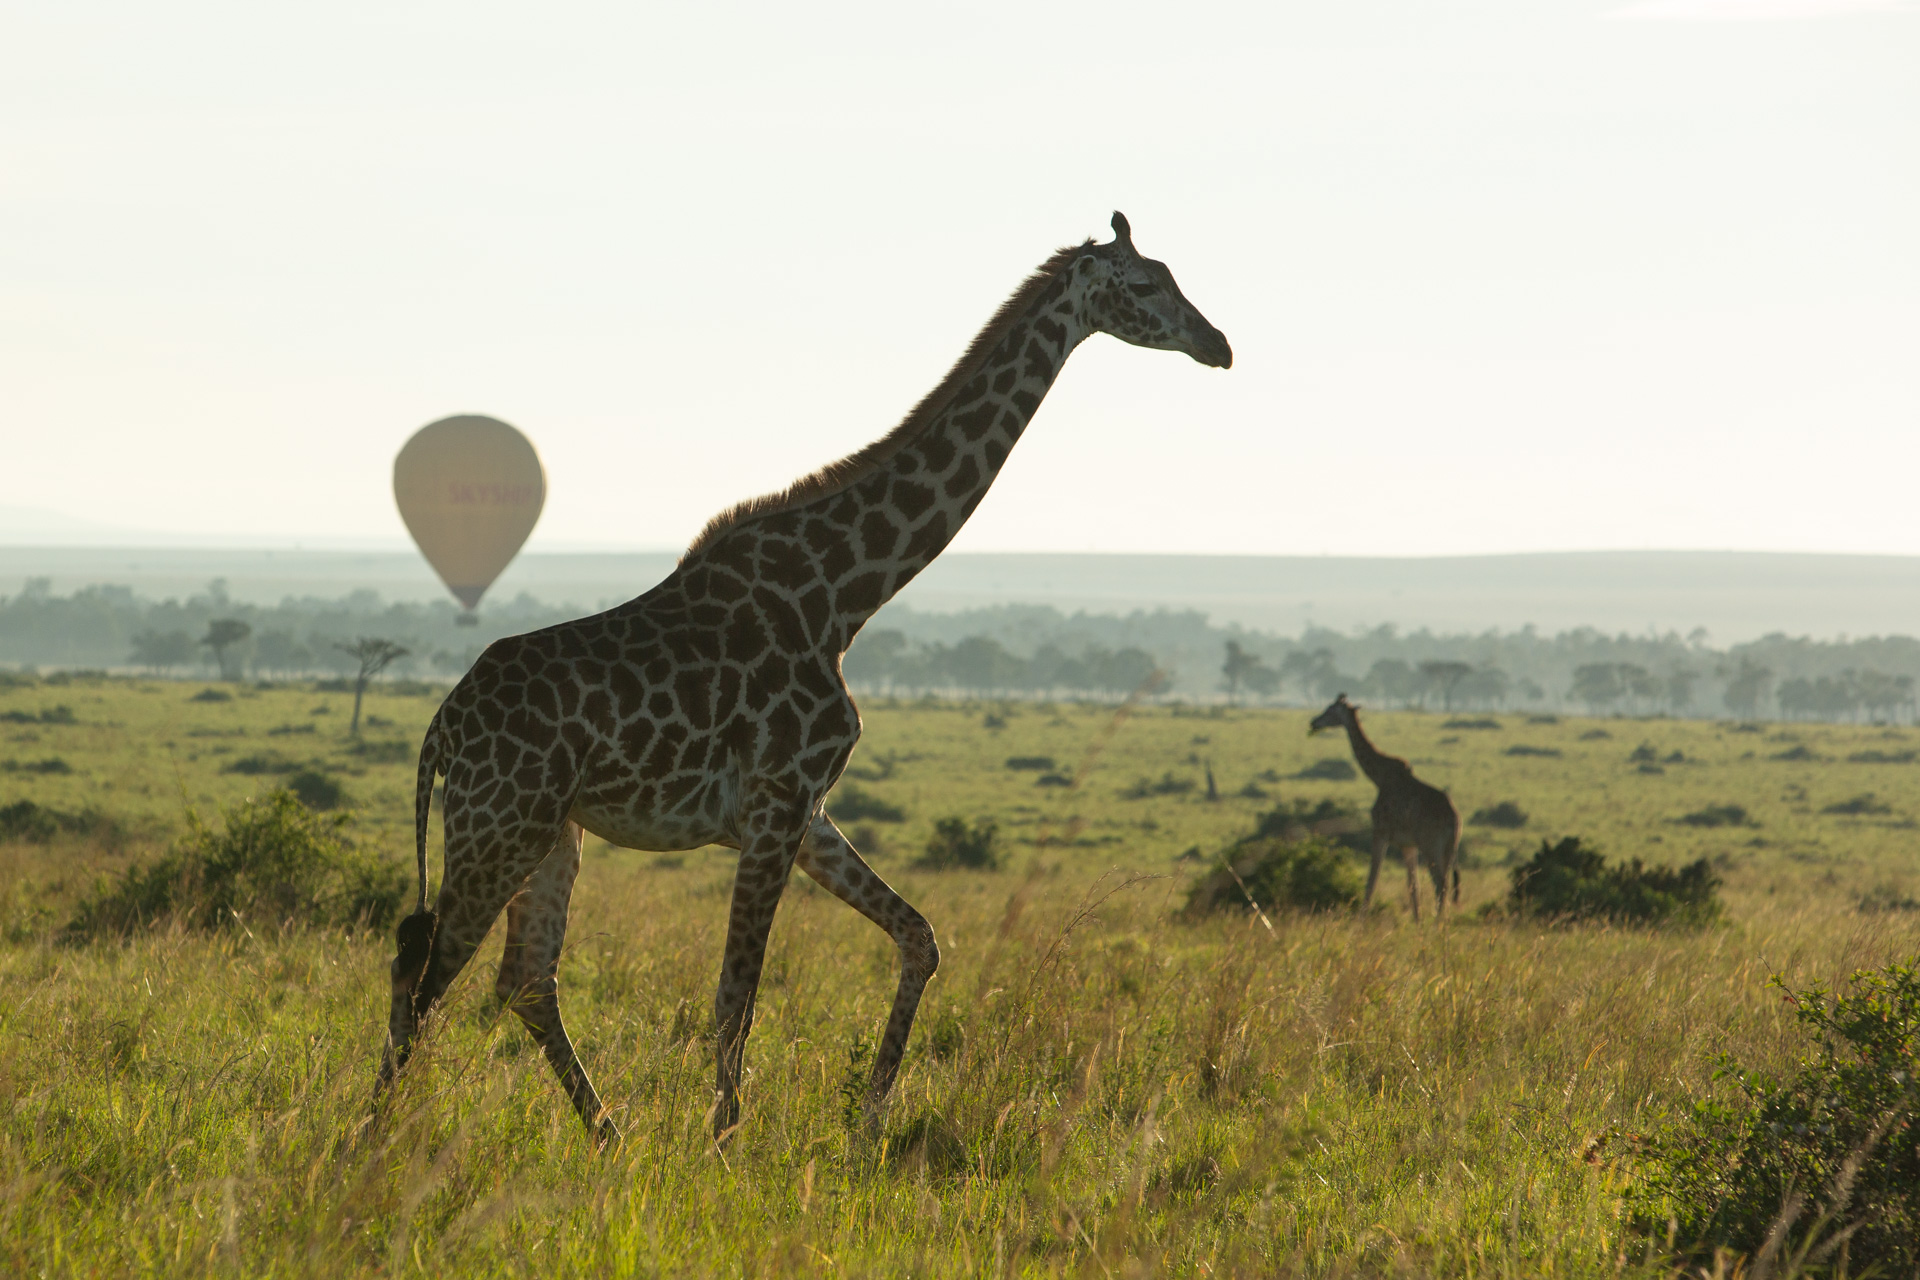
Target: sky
x,y
1499,275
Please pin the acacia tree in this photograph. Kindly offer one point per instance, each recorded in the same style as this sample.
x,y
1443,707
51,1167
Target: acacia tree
x,y
1240,668
223,634
374,656
1747,688
1446,675
161,651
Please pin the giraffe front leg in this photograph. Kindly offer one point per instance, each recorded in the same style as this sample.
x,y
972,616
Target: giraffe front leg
x,y
529,979
765,862
831,860
1412,857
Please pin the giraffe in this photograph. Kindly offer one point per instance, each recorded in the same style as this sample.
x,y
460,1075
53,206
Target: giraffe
x,y
1407,813
711,710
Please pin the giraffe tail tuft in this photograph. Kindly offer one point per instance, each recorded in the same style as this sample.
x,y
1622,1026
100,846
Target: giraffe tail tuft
x,y
423,802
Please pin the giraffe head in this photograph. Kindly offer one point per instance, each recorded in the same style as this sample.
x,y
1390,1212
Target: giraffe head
x,y
1135,299
1338,715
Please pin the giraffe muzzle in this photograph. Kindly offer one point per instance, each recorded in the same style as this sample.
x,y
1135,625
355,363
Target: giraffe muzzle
x,y
1210,348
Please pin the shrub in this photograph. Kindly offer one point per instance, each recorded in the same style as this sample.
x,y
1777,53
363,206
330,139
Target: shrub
x,y
1727,1173
255,765
1594,735
1482,722
1571,881
956,846
1860,806
851,804
62,714
52,764
317,790
1053,780
1168,785
1645,753
274,861
1313,874
1505,814
1801,752
383,751
211,695
32,823
1332,769
1521,749
1298,819
1036,764
1883,757
1718,815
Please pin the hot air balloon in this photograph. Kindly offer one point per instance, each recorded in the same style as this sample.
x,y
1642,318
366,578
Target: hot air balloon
x,y
470,489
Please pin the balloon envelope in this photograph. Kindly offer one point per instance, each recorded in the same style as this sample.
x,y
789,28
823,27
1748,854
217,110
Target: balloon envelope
x,y
470,489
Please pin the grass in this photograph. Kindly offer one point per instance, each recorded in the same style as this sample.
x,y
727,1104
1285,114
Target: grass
x,y
1096,1085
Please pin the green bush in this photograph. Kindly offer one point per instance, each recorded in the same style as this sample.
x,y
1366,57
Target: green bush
x,y
383,751
51,765
956,846
1168,785
1313,874
32,823
1570,881
1727,1173
1862,805
260,763
317,790
1505,814
1718,815
851,804
1331,769
274,861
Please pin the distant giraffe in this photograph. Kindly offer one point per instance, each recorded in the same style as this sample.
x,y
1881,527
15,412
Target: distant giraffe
x,y
711,710
1409,815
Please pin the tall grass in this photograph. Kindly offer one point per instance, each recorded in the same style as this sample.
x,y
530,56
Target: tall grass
x,y
1094,1088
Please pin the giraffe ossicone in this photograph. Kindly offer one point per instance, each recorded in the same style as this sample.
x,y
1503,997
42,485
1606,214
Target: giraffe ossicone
x,y
711,710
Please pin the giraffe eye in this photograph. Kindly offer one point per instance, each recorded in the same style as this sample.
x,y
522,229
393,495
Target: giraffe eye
x,y
1143,290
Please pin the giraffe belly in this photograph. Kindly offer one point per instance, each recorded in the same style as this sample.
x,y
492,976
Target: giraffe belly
x,y
654,832
705,817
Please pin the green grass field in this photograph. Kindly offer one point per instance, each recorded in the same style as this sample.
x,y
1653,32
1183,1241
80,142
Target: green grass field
x,y
1095,1086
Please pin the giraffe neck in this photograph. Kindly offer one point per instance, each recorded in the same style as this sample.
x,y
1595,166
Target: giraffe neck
x,y
1377,766
844,553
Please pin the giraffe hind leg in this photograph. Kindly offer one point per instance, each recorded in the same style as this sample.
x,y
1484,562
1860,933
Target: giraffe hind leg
x,y
1440,864
1412,856
476,886
529,979
766,860
414,939
831,860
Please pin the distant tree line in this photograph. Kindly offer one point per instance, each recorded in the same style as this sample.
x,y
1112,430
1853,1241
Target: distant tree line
x,y
1031,651
210,634
885,660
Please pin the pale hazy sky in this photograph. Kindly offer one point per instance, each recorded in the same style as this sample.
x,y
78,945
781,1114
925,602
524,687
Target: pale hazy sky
x,y
1504,275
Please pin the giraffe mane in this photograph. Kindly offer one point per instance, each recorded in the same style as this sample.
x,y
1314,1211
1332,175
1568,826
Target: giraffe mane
x,y
863,462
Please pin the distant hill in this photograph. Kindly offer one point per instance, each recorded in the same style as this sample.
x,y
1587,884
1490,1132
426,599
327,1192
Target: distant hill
x,y
1735,595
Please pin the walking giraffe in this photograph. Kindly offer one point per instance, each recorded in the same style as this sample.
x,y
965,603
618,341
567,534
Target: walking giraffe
x,y
1409,815
711,710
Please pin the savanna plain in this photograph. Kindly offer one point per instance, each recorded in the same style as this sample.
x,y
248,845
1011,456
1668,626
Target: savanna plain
x,y
1100,1082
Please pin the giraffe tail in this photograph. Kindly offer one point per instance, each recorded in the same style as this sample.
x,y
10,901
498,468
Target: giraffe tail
x,y
423,802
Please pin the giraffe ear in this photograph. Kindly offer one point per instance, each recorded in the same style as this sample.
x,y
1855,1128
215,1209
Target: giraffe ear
x,y
1122,233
